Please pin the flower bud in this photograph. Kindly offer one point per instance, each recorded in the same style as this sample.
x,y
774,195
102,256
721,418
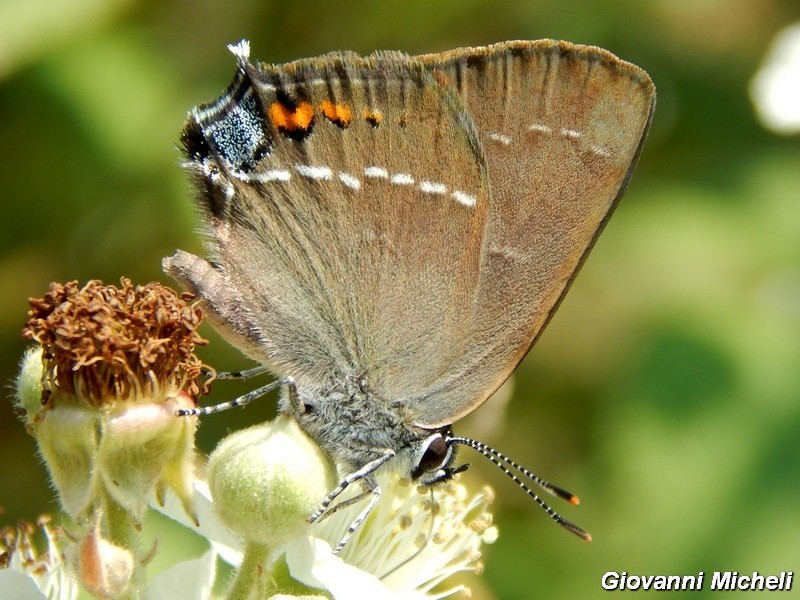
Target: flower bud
x,y
28,386
114,366
267,480
104,569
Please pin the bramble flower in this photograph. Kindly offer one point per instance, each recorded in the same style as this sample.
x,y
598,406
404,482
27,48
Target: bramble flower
x,y
113,367
409,547
99,394
414,542
27,574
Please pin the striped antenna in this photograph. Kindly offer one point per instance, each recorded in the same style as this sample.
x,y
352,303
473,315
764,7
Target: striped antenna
x,y
503,462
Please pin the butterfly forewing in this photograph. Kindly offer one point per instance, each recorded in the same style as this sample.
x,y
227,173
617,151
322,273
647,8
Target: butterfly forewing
x,y
561,127
348,201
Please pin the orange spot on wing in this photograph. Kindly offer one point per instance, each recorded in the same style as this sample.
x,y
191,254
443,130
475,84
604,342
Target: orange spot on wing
x,y
336,113
288,119
373,117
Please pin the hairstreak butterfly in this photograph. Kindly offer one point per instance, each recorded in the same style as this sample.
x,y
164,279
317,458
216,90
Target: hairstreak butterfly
x,y
390,234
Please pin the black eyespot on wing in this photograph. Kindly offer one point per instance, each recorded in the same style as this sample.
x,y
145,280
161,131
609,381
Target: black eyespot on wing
x,y
239,134
233,131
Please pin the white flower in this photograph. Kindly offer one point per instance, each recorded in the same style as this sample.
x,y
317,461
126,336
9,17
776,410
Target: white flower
x,y
32,575
400,552
775,88
413,541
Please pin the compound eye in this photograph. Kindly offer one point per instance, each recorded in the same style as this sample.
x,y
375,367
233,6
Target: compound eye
x,y
435,453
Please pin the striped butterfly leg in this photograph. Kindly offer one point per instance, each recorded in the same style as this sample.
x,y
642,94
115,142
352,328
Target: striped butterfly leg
x,y
365,475
241,375
244,399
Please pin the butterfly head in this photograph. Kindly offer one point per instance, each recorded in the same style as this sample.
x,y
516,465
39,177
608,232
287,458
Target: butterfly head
x,y
434,457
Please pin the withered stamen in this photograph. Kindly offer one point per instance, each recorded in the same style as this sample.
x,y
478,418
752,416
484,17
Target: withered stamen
x,y
101,342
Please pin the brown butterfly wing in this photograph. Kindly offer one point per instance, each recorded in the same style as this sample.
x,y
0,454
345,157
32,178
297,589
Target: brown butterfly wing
x,y
562,127
347,201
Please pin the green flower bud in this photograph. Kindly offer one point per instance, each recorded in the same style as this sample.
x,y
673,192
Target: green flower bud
x,y
140,442
67,435
267,480
101,391
28,386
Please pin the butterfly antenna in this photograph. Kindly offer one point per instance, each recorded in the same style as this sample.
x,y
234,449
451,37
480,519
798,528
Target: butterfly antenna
x,y
500,461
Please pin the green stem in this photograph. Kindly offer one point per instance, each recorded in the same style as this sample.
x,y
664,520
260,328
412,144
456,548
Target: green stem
x,y
252,576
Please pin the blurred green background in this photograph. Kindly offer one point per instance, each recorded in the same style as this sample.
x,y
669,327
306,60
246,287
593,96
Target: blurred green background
x,y
666,392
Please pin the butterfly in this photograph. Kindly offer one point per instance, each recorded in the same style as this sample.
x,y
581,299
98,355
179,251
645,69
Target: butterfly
x,y
390,234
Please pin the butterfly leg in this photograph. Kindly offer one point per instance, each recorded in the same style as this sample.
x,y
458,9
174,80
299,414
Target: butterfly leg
x,y
241,400
364,474
376,494
246,374
344,504
361,473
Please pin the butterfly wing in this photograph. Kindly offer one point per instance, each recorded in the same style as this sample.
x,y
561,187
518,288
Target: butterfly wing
x,y
562,127
347,201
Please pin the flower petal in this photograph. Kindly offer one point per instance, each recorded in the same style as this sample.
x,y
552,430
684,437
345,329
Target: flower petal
x,y
190,579
223,541
19,585
312,562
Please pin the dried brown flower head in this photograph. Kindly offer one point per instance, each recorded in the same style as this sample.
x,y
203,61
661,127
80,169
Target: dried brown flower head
x,y
101,342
